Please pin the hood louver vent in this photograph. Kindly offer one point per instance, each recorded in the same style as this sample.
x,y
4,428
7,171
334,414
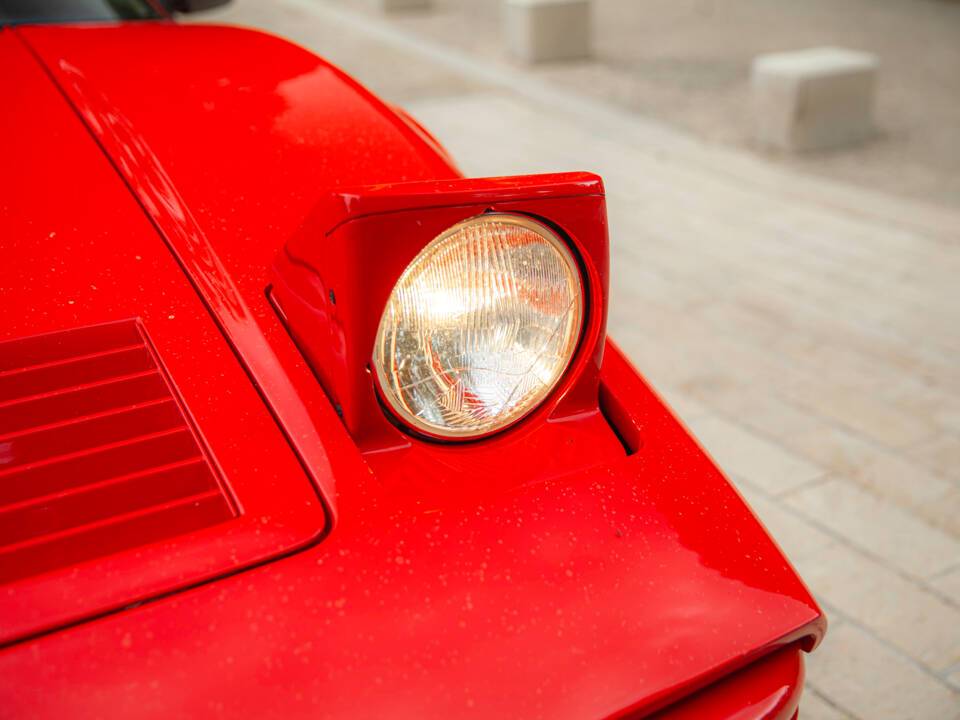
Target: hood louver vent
x,y
96,456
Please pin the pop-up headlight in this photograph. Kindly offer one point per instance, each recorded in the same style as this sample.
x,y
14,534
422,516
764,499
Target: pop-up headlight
x,y
455,310
480,327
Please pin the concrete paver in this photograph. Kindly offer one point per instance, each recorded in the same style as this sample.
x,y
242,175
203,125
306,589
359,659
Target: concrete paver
x,y
919,623
948,583
880,527
855,670
884,472
816,707
941,453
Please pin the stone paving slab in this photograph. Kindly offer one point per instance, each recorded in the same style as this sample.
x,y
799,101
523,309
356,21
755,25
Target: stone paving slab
x,y
808,331
687,62
879,527
857,670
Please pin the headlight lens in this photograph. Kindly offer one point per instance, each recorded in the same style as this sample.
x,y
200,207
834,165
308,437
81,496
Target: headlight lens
x,y
479,327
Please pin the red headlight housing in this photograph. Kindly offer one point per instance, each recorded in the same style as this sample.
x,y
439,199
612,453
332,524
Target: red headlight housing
x,y
334,280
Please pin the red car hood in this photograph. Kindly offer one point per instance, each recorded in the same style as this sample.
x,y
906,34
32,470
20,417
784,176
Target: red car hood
x,y
608,591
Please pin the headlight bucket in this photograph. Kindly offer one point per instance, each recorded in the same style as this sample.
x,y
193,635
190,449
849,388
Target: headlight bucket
x,y
334,278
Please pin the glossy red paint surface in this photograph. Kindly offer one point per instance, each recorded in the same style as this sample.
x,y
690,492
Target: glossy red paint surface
x,y
606,592
78,251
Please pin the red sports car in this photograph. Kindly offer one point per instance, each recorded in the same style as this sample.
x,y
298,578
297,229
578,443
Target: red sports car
x,y
297,421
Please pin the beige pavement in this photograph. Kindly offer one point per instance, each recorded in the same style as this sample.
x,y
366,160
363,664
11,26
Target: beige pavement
x,y
807,331
687,62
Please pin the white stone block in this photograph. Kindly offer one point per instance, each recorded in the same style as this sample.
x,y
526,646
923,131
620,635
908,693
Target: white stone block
x,y
389,5
813,99
545,30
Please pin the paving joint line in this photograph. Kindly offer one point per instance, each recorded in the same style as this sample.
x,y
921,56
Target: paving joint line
x,y
828,473
937,675
835,425
921,583
827,700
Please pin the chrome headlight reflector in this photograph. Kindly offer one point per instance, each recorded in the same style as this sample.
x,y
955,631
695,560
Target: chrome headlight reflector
x,y
480,327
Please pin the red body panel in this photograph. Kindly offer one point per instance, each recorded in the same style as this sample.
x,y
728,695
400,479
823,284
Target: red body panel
x,y
78,251
769,689
610,591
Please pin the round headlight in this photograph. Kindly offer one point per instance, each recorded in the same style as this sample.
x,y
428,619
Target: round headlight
x,y
480,327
